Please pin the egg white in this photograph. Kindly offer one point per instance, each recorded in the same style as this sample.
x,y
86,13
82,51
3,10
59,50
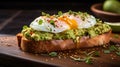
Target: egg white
x,y
47,27
88,22
60,25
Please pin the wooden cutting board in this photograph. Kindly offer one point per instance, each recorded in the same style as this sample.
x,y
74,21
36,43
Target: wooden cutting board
x,y
11,55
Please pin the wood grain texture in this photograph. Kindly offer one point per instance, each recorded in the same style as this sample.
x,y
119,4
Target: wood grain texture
x,y
11,54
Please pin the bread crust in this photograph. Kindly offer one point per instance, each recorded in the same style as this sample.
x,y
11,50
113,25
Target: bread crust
x,y
60,45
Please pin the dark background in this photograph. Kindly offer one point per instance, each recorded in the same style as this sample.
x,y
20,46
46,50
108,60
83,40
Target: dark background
x,y
46,4
14,14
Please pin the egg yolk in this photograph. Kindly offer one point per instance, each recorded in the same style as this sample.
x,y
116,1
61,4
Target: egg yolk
x,y
71,22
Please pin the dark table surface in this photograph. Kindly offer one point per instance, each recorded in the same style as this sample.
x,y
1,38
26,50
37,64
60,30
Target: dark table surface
x,y
13,15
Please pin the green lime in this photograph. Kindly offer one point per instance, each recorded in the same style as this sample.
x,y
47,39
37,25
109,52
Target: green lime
x,y
112,6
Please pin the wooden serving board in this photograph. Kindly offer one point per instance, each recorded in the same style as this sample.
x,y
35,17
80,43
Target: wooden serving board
x,y
11,55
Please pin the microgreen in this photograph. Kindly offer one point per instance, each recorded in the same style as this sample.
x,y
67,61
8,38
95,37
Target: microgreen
x,y
70,12
25,27
45,14
96,53
89,57
53,54
118,49
60,13
106,51
88,60
112,48
77,59
118,53
90,53
50,29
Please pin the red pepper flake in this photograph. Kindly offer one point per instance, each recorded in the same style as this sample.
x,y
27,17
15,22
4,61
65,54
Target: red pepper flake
x,y
57,26
64,16
55,20
48,20
31,33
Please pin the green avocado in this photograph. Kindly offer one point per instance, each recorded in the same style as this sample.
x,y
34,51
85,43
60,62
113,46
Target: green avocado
x,y
98,29
115,26
112,6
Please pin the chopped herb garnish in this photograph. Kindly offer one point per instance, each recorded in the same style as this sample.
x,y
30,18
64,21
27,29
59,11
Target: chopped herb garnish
x,y
118,49
88,60
118,53
82,18
112,48
89,57
79,12
75,13
50,29
106,51
53,54
96,53
52,22
25,27
70,12
60,13
45,14
40,21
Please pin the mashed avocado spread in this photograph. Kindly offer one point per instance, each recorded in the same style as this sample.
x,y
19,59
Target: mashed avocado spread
x,y
97,29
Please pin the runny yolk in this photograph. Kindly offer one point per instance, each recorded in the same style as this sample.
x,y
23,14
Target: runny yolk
x,y
71,22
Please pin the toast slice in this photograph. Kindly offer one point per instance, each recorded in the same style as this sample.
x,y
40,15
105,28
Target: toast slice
x,y
60,45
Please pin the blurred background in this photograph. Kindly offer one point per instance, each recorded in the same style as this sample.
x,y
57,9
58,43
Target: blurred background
x,y
44,4
56,5
16,13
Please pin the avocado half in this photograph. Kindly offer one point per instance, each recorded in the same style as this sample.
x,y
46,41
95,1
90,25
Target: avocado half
x,y
115,26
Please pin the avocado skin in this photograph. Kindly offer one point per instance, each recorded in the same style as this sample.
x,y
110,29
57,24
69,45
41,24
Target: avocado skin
x,y
112,6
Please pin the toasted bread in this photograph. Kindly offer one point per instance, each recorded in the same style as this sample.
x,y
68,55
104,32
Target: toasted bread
x,y
60,45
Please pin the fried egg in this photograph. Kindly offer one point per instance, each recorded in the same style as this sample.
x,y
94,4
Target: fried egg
x,y
62,23
55,27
